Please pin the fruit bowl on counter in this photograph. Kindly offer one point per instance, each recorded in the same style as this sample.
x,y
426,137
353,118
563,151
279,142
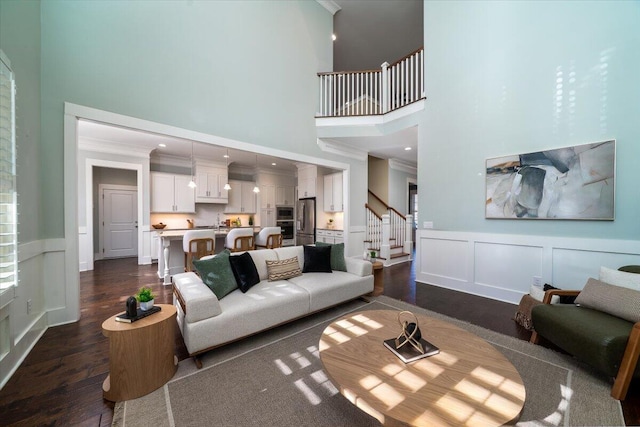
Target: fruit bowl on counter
x,y
159,226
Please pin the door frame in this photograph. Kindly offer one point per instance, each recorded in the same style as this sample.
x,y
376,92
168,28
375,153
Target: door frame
x,y
101,188
90,163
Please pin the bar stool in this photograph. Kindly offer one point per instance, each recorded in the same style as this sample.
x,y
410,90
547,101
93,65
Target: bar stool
x,y
269,238
240,239
196,244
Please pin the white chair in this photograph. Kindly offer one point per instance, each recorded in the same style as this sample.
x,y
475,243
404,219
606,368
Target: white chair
x,y
240,239
196,244
269,237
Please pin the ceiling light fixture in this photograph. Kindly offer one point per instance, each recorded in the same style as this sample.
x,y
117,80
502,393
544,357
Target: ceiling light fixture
x,y
333,37
256,189
407,148
192,183
273,163
227,186
162,145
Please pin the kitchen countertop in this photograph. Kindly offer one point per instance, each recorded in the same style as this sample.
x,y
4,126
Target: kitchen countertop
x,y
329,229
219,230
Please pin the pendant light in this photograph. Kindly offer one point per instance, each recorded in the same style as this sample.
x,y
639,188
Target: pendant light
x,y
227,186
256,189
192,183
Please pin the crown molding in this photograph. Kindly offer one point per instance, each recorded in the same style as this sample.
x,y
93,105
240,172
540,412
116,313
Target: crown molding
x,y
331,146
330,5
402,166
110,147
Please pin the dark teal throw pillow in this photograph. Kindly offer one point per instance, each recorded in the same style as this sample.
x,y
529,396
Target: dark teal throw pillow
x,y
217,274
337,256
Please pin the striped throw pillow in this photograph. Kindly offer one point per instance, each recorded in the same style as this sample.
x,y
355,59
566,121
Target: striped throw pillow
x,y
285,269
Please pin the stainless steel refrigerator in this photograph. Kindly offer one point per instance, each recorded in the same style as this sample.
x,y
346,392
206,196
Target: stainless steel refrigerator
x,y
306,221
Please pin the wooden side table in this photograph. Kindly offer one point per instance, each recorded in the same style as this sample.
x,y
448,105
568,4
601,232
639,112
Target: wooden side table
x,y
378,280
141,354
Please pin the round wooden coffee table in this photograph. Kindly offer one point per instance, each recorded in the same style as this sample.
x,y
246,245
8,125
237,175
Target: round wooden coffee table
x,y
468,383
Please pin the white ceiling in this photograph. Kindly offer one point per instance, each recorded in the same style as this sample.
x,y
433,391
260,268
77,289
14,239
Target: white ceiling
x,y
388,146
177,147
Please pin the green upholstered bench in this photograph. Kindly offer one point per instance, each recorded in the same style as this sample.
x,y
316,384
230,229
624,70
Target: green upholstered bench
x,y
608,343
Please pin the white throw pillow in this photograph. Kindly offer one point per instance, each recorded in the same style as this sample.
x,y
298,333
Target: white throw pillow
x,y
620,278
537,293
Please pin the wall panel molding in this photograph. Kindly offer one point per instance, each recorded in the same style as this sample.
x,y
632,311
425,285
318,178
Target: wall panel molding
x,y
502,266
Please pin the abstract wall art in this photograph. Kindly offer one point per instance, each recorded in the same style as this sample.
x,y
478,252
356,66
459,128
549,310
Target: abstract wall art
x,y
566,183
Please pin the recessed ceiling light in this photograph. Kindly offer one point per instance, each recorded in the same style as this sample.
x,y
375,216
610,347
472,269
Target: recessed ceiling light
x,y
333,37
162,145
226,156
273,164
407,148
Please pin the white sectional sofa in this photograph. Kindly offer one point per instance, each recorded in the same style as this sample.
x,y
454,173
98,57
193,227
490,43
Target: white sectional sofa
x,y
207,322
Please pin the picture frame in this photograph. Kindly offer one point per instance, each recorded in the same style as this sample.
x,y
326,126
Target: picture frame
x,y
574,183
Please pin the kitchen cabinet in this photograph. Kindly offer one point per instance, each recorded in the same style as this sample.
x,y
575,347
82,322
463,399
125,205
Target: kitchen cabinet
x,y
242,199
284,195
155,245
329,236
333,192
307,177
210,184
171,193
267,217
267,196
307,187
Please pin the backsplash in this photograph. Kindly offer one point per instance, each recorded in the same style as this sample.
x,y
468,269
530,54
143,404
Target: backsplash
x,y
206,215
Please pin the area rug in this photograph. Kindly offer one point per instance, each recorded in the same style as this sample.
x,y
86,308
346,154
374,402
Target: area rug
x,y
276,379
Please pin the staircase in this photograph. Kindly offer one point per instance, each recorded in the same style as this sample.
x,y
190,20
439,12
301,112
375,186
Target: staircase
x,y
388,234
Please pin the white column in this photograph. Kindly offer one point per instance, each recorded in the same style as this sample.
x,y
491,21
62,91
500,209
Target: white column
x,y
384,87
166,242
408,236
385,248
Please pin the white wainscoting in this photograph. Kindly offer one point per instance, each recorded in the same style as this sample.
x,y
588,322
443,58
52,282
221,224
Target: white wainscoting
x,y
502,266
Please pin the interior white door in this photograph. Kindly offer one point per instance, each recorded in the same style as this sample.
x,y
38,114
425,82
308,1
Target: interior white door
x,y
120,223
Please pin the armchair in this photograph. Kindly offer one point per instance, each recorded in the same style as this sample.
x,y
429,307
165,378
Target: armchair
x,y
598,330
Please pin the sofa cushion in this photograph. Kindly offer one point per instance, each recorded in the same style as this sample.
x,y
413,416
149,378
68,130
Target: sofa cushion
x,y
202,303
611,299
216,273
620,278
291,251
317,259
328,290
244,271
260,257
285,269
591,335
337,255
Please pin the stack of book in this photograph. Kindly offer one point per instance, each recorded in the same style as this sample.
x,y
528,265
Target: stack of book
x,y
139,315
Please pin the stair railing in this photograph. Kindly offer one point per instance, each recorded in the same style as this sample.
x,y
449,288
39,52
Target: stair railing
x,y
372,92
387,231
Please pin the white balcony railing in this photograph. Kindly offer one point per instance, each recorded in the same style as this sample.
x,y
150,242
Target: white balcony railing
x,y
364,93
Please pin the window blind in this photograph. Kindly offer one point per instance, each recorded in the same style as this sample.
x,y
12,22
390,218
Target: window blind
x,y
8,197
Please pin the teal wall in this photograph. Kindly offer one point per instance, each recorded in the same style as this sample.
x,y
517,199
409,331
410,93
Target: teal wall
x,y
240,70
20,41
491,86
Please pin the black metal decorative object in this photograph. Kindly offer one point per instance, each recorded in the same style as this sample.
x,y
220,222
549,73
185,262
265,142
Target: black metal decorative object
x,y
410,332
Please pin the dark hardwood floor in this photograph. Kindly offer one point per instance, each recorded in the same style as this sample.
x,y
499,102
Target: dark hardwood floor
x,y
60,381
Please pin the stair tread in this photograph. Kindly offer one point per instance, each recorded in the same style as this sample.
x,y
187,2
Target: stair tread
x,y
399,255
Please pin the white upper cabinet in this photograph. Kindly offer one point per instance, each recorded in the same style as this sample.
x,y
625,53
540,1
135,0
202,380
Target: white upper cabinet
x,y
242,199
211,182
333,192
284,195
267,196
171,193
307,178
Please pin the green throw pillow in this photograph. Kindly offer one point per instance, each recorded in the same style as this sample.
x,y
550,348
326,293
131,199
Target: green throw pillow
x,y
337,256
217,274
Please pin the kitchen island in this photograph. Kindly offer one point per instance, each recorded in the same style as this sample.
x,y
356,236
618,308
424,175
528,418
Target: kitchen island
x,y
171,256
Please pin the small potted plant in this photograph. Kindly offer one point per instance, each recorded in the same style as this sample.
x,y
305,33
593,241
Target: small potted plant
x,y
330,223
145,297
373,256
